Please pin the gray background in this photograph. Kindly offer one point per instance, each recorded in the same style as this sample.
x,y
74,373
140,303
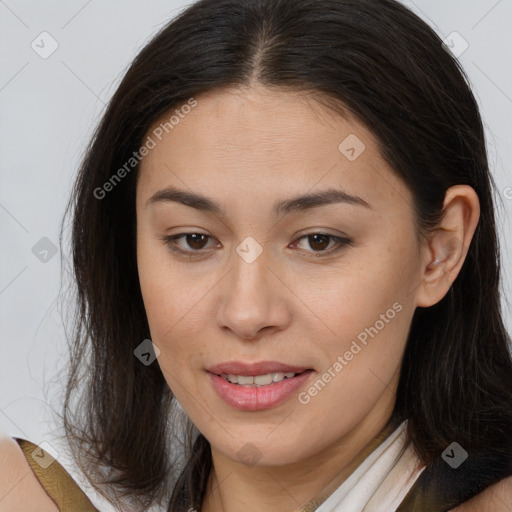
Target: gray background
x,y
48,109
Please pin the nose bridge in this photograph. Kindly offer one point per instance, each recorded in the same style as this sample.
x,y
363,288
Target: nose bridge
x,y
249,269
248,298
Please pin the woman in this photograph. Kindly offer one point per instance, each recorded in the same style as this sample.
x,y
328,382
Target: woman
x,y
284,226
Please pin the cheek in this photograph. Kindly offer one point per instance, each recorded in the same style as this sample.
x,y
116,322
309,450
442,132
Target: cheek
x,y
163,294
365,322
363,313
353,297
170,312
175,304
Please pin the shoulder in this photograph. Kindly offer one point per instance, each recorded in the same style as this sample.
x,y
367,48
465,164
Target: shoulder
x,y
19,487
496,498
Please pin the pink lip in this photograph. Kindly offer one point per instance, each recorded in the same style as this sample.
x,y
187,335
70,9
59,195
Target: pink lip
x,y
253,398
260,368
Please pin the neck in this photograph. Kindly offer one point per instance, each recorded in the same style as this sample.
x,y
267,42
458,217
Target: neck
x,y
299,486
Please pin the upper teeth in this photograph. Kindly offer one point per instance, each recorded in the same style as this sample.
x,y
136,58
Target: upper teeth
x,y
258,380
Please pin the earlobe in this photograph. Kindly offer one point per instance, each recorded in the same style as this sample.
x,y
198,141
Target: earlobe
x,y
447,247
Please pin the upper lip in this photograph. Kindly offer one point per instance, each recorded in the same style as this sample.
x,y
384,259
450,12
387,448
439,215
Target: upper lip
x,y
259,368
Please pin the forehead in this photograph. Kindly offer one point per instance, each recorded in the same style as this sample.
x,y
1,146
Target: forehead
x,y
240,141
267,121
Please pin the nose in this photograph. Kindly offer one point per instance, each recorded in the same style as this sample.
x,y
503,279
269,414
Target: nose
x,y
253,301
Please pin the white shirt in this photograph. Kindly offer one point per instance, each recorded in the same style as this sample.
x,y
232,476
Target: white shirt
x,y
381,481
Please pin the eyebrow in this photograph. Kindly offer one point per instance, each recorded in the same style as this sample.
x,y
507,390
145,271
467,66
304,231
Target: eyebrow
x,y
280,208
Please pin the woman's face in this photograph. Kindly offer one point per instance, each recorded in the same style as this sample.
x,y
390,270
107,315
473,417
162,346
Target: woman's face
x,y
326,284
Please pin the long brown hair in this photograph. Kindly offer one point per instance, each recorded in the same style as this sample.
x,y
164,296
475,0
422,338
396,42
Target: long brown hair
x,y
373,58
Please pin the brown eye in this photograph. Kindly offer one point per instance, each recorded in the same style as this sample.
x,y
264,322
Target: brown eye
x,y
193,242
196,240
319,242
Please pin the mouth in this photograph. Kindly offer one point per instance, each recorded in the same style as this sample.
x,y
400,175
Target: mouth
x,y
266,379
257,386
258,369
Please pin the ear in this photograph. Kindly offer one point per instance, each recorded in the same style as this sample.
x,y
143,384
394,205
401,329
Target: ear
x,y
446,248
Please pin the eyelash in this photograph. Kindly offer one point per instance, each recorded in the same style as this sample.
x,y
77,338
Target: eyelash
x,y
341,243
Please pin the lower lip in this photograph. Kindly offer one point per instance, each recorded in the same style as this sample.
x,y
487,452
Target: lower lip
x,y
257,398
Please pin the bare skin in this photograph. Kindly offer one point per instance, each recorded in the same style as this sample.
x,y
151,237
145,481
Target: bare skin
x,y
246,149
19,487
497,498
